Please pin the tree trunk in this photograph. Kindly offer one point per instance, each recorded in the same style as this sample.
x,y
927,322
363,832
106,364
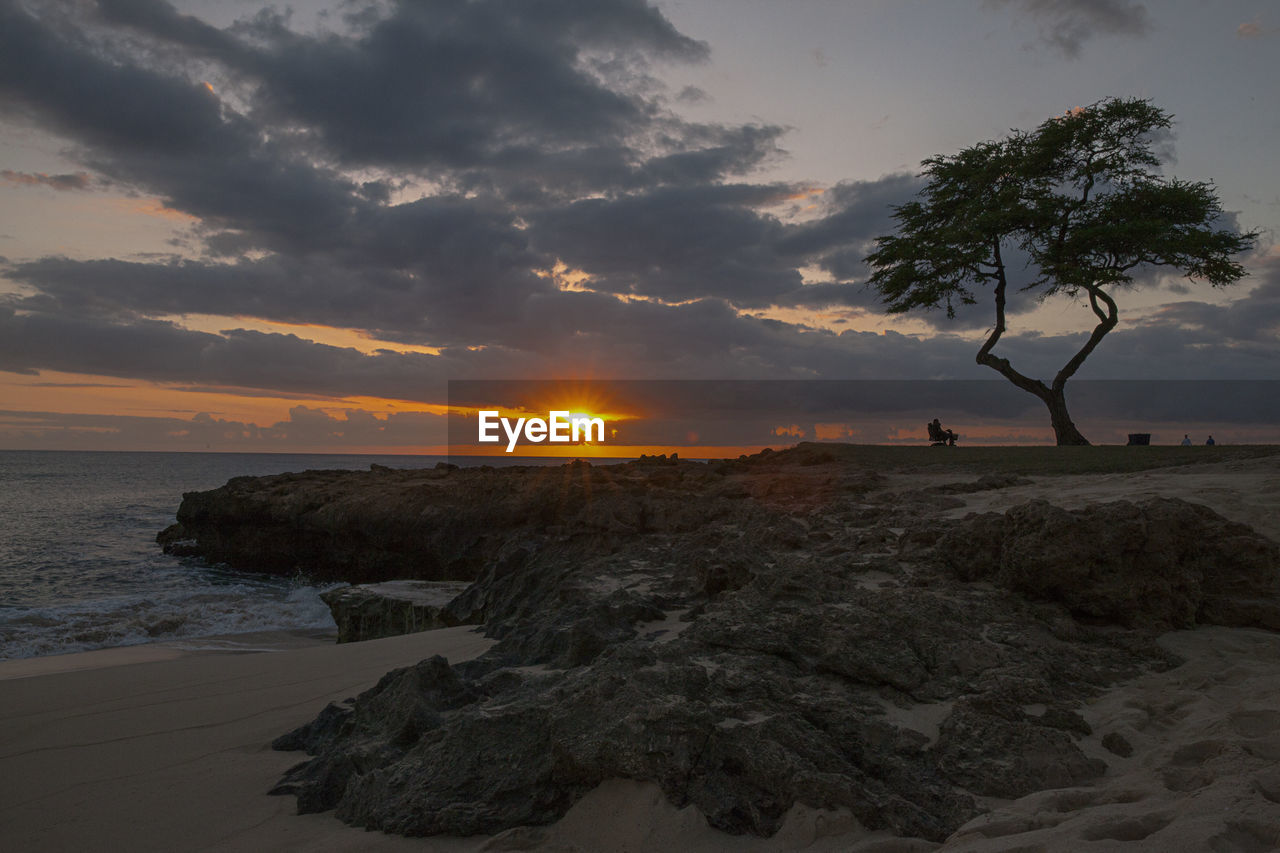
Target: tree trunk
x,y
1064,430
1054,396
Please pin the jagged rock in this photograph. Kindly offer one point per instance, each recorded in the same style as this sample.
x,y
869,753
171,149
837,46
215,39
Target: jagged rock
x,y
1006,753
396,607
435,524
1162,563
748,636
775,691
448,523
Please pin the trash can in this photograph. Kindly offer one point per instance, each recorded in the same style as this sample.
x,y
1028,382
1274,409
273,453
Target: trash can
x,y
1141,439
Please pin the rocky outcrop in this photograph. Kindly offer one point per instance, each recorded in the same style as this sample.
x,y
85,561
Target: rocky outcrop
x,y
396,607
1164,563
747,635
449,523
783,652
898,703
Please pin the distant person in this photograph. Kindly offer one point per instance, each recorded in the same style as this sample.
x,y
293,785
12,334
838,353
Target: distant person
x,y
1186,440
937,433
1210,442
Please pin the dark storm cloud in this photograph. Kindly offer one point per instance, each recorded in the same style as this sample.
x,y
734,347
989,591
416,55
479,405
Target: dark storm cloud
x,y
857,213
161,352
546,94
158,18
532,107
50,73
166,134
416,174
279,289
561,334
466,84
1067,24
1253,321
675,243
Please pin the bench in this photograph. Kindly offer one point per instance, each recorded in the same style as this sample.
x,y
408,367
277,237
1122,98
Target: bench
x,y
940,437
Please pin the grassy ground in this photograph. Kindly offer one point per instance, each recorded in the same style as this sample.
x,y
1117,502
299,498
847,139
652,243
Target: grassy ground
x,y
1032,460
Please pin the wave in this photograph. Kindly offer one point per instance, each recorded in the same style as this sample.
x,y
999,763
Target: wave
x,y
235,608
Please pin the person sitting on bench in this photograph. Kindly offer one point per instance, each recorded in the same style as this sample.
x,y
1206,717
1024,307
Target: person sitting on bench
x,y
938,435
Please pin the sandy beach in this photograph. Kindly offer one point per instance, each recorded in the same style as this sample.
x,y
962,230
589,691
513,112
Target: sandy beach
x,y
151,748
160,748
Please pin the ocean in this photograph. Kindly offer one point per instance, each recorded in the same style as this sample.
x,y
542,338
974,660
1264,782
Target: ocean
x,y
80,568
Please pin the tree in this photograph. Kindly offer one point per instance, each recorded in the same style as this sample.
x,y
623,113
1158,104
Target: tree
x,y
1081,199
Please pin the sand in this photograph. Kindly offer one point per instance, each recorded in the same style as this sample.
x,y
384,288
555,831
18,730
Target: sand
x,y
1205,769
167,749
1247,491
156,749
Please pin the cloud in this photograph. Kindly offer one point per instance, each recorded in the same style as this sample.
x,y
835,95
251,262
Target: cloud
x,y
547,95
1067,25
584,334
675,243
692,95
509,111
706,413
1249,30
62,183
415,170
305,429
1250,323
857,212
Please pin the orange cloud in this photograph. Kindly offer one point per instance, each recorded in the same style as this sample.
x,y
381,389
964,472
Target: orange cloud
x,y
71,393
329,335
833,432
566,278
151,207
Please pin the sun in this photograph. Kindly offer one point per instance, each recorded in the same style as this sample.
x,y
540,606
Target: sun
x,y
582,422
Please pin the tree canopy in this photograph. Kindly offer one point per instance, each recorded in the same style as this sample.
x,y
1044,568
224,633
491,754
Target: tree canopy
x,y
1082,199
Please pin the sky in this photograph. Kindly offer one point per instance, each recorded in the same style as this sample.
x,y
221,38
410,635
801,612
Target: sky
x,y
227,225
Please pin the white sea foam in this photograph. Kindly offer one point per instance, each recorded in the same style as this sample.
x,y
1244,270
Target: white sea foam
x,y
200,611
79,564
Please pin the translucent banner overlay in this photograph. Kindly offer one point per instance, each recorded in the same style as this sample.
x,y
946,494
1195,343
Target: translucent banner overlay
x,y
708,419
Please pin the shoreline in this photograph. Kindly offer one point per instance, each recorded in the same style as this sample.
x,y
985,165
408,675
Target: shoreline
x,y
166,745
249,642
173,754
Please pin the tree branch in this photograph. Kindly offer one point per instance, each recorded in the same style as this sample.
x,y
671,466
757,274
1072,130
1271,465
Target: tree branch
x,y
1108,322
1093,303
1001,365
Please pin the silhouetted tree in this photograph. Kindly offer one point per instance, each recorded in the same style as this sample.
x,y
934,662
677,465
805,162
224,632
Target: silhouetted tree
x,y
1082,199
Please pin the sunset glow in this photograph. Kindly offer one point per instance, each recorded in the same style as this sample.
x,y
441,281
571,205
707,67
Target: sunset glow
x,y
253,255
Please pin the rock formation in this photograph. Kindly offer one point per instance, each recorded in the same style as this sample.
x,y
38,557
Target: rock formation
x,y
444,523
392,608
747,635
804,683
1164,563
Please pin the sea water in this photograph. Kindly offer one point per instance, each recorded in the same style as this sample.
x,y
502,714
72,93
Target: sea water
x,y
80,568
